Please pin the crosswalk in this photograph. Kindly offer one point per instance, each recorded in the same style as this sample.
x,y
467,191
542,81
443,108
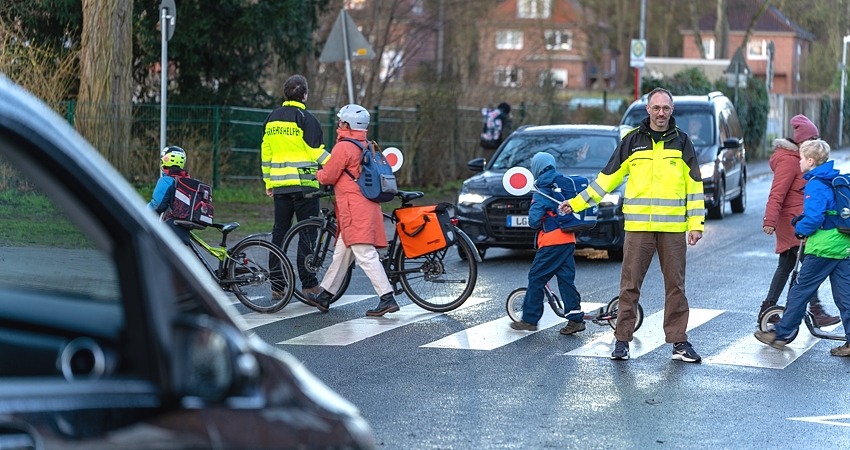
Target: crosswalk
x,y
494,334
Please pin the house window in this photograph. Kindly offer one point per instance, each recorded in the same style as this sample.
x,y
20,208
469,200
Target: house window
x,y
757,49
708,46
558,40
391,64
355,4
555,77
533,9
508,76
509,40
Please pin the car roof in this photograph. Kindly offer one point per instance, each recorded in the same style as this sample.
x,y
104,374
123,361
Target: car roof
x,y
678,99
613,129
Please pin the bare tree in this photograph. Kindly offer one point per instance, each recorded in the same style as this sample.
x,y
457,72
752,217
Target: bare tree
x,y
753,21
695,16
721,30
104,115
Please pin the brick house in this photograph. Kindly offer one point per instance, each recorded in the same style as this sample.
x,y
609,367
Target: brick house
x,y
791,43
528,42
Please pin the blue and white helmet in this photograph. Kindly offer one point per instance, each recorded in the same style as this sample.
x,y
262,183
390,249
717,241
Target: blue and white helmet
x,y
356,116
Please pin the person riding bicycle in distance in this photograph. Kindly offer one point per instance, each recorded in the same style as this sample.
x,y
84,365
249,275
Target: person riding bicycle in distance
x,y
172,164
555,253
359,220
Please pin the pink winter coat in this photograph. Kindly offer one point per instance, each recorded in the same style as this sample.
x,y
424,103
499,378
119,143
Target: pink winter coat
x,y
359,220
786,193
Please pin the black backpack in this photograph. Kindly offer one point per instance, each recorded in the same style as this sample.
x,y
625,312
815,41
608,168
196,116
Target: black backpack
x,y
192,201
376,181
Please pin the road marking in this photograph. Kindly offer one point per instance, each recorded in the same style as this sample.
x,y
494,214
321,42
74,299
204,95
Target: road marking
x,y
295,308
497,333
644,341
749,352
351,331
826,420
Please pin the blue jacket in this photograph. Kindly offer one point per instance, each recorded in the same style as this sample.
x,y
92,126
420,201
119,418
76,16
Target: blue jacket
x,y
818,198
163,193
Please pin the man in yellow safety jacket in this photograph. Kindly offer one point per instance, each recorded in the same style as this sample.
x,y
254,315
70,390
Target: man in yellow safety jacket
x,y
293,147
663,203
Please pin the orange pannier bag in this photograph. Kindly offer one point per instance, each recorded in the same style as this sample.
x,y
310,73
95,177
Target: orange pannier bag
x,y
424,229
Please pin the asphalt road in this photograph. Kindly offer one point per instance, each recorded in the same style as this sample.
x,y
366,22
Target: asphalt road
x,y
464,380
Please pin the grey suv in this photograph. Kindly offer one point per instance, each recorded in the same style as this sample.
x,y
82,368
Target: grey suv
x,y
711,122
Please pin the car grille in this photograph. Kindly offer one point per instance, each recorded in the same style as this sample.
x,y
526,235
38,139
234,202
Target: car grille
x,y
497,215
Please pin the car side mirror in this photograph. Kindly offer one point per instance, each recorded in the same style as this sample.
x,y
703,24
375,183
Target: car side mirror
x,y
732,142
477,164
210,360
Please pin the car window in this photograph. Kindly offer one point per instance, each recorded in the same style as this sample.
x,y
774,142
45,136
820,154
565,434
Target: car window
x,y
634,116
578,151
698,123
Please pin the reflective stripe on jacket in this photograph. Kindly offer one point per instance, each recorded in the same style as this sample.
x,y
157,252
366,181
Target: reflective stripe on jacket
x,y
293,147
664,186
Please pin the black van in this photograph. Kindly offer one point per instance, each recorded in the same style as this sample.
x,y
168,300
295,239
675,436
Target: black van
x,y
712,123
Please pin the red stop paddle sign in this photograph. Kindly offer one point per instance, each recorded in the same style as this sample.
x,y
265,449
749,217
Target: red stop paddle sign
x,y
518,181
394,157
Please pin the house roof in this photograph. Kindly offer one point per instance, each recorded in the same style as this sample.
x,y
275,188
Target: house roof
x,y
740,13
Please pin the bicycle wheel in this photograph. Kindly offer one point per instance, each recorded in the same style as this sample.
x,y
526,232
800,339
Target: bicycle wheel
x,y
774,314
514,304
439,281
309,246
259,275
613,309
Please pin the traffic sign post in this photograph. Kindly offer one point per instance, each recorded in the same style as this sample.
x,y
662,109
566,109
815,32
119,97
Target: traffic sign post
x,y
167,22
637,59
345,43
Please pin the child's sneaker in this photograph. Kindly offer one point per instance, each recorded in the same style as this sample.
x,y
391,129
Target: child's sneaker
x,y
684,351
769,338
621,351
843,350
572,327
523,326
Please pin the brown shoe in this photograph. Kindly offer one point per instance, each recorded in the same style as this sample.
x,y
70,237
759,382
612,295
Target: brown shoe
x,y
843,350
572,327
822,319
769,338
523,326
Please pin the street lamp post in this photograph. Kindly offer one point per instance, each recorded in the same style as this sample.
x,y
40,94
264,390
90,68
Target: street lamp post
x,y
843,82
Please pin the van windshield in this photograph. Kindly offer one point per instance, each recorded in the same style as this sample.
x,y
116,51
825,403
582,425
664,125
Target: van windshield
x,y
697,122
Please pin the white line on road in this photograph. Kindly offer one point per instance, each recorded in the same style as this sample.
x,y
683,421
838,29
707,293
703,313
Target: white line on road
x,y
649,337
497,333
826,420
749,352
295,308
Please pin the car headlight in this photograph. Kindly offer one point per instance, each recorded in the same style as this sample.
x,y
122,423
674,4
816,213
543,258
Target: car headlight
x,y
707,170
612,198
470,199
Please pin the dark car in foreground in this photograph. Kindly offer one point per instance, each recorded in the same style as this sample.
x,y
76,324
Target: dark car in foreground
x,y
712,124
111,335
494,218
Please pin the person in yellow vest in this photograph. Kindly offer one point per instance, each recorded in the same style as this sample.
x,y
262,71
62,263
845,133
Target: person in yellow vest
x,y
664,211
292,150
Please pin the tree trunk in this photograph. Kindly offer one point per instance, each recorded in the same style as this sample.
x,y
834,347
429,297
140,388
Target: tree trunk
x,y
721,31
104,114
695,14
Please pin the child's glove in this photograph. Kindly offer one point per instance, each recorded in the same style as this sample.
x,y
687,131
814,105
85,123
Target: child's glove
x,y
796,219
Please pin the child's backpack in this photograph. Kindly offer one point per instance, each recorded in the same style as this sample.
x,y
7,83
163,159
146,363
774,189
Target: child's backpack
x,y
192,201
840,218
565,188
376,181
491,133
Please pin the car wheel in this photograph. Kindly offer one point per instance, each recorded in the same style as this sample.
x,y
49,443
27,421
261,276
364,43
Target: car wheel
x,y
739,203
615,254
718,211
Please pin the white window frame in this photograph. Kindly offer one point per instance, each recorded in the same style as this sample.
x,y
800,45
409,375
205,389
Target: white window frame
x,y
560,77
757,49
558,40
508,76
708,46
509,39
533,9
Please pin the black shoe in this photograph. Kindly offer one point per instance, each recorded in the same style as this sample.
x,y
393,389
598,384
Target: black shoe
x,y
386,305
322,302
684,351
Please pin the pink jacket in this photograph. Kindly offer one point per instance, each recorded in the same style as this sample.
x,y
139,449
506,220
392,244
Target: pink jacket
x,y
786,193
359,220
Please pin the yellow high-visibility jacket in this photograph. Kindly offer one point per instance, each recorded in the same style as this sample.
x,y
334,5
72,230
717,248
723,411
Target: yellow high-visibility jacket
x,y
664,186
292,149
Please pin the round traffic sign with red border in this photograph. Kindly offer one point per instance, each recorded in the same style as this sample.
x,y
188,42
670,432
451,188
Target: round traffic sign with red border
x,y
394,157
518,181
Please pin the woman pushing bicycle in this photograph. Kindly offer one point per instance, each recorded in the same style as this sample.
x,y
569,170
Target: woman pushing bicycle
x,y
555,253
360,221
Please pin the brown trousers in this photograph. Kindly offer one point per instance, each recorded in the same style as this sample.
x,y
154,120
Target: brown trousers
x,y
638,250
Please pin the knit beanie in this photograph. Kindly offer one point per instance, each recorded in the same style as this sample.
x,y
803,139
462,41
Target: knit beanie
x,y
804,129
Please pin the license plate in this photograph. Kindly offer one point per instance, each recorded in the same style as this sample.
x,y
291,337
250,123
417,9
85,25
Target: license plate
x,y
518,221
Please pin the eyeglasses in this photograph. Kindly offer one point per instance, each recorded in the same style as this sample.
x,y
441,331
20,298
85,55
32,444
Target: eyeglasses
x,y
656,109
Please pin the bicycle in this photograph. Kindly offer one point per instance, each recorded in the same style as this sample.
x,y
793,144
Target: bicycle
x,y
439,281
600,316
254,270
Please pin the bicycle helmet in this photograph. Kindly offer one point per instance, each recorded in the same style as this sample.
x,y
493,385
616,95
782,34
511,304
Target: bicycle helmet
x,y
356,116
173,156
